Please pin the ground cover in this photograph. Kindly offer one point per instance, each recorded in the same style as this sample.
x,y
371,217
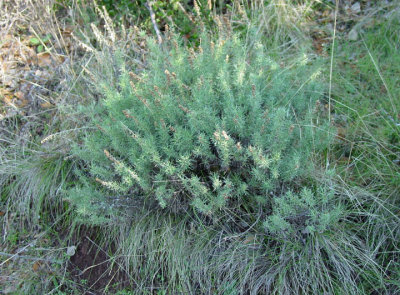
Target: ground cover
x,y
45,248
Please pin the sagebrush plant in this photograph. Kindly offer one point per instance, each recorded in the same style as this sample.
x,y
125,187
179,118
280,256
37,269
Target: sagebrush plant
x,y
206,157
212,130
281,232
307,211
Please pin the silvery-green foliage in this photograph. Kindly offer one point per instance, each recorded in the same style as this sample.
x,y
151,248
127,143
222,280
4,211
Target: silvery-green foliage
x,y
303,213
210,128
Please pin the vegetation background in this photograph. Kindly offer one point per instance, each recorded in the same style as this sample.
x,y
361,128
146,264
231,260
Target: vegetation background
x,y
333,228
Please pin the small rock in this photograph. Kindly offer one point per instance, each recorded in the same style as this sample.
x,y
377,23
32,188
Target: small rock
x,y
353,35
356,7
38,73
71,251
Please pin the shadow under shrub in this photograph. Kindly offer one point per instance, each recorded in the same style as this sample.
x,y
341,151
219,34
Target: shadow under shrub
x,y
224,140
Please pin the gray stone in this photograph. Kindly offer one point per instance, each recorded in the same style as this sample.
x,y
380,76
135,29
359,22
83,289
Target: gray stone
x,y
353,35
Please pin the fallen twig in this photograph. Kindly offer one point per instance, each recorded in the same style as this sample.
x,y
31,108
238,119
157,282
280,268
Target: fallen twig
x,y
153,20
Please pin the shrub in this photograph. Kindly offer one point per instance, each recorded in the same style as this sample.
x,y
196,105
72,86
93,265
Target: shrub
x,y
305,212
212,130
206,157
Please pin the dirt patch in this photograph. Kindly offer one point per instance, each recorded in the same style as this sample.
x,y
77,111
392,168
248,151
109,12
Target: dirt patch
x,y
94,269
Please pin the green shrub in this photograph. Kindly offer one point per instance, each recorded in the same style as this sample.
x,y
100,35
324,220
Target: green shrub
x,y
204,158
213,130
305,212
